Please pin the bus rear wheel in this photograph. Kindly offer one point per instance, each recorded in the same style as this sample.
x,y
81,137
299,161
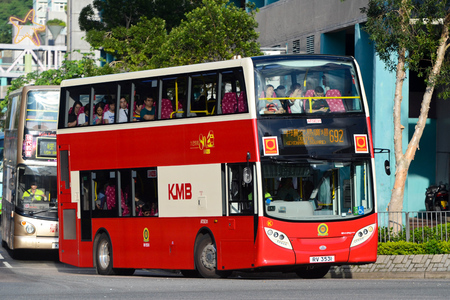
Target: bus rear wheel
x,y
206,259
313,272
103,255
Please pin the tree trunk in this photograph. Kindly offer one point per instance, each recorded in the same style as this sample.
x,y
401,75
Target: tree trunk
x,y
403,161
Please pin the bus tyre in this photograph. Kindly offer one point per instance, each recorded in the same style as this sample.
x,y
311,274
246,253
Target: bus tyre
x,y
206,259
103,256
313,272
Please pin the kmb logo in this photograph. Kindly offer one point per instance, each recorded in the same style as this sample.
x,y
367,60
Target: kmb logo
x,y
180,191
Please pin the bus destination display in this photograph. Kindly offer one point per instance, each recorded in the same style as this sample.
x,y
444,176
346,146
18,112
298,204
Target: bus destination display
x,y
46,148
314,137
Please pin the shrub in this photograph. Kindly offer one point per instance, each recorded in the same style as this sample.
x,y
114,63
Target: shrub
x,y
409,248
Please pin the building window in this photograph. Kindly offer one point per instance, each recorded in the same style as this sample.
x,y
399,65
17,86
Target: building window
x,y
310,44
296,46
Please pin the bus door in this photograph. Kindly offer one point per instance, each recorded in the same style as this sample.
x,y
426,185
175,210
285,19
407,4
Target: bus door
x,y
8,206
68,210
238,247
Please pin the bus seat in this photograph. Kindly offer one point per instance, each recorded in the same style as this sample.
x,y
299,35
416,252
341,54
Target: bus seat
x,y
336,105
166,108
110,193
229,103
242,102
211,105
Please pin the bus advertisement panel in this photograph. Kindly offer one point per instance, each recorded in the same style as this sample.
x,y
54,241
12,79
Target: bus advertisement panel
x,y
30,216
261,163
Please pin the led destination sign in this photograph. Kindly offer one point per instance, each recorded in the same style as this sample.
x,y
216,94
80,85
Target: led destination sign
x,y
46,147
314,137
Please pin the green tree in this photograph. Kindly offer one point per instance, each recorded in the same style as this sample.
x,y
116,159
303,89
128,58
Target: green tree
x,y
406,33
133,47
124,13
8,8
215,31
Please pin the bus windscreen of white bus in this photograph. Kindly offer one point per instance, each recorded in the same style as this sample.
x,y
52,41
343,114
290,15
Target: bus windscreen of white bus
x,y
37,193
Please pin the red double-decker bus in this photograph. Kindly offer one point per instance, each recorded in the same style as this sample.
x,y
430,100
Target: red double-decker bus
x,y
261,163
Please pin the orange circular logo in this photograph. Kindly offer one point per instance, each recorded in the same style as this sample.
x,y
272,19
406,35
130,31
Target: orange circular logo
x,y
270,223
270,144
361,142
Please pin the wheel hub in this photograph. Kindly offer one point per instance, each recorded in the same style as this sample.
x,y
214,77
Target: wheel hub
x,y
103,255
208,257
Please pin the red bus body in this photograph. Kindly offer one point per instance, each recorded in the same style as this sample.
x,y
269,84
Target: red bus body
x,y
194,190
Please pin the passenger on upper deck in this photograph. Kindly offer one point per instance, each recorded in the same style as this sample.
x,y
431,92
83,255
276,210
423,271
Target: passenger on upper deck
x,y
98,117
148,112
295,105
123,110
73,115
317,105
108,116
270,106
83,119
137,111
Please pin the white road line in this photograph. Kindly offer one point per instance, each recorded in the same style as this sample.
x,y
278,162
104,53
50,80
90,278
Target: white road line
x,y
7,265
1,257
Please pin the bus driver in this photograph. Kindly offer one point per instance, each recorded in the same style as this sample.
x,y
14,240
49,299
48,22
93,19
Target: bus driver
x,y
34,194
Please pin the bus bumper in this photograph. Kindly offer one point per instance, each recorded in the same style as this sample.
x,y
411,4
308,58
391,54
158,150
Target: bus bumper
x,y
33,242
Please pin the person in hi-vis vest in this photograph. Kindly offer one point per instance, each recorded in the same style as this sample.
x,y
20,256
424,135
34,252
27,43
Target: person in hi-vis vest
x,y
34,194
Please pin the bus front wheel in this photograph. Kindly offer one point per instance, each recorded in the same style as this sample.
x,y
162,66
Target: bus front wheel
x,y
103,255
206,259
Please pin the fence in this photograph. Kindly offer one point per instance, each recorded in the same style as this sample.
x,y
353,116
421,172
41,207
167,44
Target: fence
x,y
413,226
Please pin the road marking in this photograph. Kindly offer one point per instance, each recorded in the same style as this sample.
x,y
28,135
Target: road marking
x,y
1,257
7,265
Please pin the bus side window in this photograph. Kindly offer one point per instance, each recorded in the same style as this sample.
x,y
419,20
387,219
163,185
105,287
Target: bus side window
x,y
233,94
203,87
146,192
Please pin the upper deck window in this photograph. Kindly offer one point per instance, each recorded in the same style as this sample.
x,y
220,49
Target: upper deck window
x,y
307,86
184,95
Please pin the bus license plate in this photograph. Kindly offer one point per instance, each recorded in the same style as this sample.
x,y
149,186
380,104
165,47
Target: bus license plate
x,y
321,259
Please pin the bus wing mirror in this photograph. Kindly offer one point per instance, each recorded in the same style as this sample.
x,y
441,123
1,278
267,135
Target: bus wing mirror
x,y
387,167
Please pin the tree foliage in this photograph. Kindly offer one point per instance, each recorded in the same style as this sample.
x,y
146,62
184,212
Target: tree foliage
x,y
406,34
211,32
124,13
215,31
8,8
133,47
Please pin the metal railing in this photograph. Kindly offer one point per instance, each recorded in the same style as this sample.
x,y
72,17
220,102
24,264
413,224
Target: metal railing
x,y
413,226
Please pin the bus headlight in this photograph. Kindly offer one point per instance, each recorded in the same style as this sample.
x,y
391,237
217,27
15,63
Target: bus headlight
x,y
363,235
29,228
278,237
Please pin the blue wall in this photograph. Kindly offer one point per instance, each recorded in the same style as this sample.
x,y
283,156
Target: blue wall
x,y
333,43
422,170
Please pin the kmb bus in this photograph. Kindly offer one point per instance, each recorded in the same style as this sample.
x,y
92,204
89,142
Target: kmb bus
x,y
262,163
30,211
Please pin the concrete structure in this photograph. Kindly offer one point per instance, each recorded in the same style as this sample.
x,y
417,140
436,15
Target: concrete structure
x,y
398,267
75,36
336,27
